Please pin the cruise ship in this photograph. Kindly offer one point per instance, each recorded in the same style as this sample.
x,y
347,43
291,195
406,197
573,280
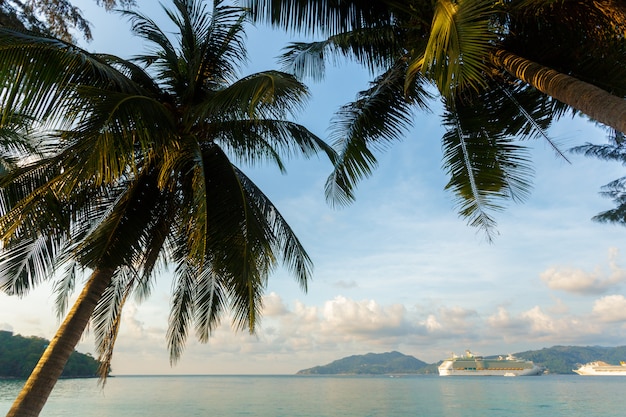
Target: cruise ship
x,y
600,368
469,364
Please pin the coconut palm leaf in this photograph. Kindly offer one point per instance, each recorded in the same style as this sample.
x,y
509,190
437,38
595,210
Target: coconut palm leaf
x,y
64,287
453,44
287,247
107,316
182,310
41,74
323,17
269,94
209,301
615,150
376,49
484,165
460,39
380,115
24,265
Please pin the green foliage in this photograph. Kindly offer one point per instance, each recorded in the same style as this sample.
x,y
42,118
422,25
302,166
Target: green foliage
x,y
563,359
615,150
139,171
19,355
555,360
452,45
57,17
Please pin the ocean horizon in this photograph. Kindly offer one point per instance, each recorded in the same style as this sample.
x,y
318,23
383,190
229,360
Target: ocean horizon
x,y
330,396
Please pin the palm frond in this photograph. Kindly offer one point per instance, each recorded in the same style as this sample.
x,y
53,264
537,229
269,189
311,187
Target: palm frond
x,y
323,17
107,317
253,142
63,288
239,240
163,51
615,151
41,74
118,236
117,126
285,242
460,40
265,94
306,59
223,47
616,191
380,115
209,302
181,309
26,263
374,48
484,165
198,298
40,213
532,114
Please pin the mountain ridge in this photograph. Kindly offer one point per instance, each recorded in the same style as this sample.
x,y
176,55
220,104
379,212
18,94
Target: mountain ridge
x,y
557,359
370,364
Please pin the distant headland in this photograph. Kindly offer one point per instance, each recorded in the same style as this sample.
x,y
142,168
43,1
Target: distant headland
x,y
555,360
19,355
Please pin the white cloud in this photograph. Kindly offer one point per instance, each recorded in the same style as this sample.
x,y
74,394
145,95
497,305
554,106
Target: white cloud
x,y
611,308
583,282
273,305
432,324
365,317
559,307
501,319
539,322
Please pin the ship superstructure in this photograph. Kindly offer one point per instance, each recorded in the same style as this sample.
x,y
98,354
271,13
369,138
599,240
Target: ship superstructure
x,y
470,364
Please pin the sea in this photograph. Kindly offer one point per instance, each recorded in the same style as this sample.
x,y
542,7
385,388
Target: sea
x,y
332,396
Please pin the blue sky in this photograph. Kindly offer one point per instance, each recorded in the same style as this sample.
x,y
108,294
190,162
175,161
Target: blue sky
x,y
398,269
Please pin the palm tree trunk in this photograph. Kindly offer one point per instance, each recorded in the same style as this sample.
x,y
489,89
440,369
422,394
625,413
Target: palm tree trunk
x,y
593,101
35,392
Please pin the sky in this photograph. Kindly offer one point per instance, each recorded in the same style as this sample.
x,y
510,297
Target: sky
x,y
397,269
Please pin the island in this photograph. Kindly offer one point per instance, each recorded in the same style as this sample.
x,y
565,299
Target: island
x,y
19,355
371,364
554,360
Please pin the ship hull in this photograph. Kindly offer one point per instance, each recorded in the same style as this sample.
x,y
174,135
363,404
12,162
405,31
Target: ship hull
x,y
491,372
596,369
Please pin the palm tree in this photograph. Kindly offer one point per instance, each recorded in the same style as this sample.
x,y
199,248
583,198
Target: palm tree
x,y
472,51
138,171
59,17
409,46
459,42
615,150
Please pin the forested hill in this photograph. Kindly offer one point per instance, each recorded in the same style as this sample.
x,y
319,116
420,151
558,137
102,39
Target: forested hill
x,y
555,360
562,359
371,363
19,355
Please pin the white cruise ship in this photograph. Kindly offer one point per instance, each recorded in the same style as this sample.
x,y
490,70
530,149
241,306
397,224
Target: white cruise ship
x,y
600,368
469,364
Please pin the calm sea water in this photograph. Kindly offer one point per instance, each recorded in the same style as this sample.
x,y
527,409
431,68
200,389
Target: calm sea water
x,y
332,396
